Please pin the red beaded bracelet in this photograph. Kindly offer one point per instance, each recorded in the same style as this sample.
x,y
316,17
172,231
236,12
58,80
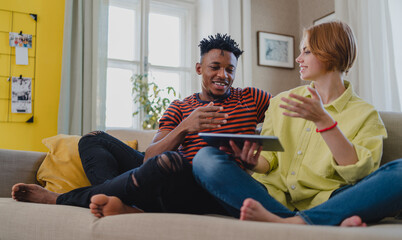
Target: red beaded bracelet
x,y
328,128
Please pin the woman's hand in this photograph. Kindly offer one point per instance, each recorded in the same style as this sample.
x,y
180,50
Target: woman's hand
x,y
311,109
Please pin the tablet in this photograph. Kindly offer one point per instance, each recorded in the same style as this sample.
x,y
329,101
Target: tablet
x,y
269,143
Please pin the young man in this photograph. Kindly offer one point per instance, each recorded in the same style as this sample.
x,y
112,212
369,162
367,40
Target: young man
x,y
162,180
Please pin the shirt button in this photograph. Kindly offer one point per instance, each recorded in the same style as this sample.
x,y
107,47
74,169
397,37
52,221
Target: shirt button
x,y
293,173
299,152
308,129
293,187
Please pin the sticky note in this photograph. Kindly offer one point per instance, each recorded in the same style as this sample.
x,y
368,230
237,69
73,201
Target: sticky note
x,y
21,55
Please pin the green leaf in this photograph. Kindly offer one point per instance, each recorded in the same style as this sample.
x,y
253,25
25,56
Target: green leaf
x,y
147,96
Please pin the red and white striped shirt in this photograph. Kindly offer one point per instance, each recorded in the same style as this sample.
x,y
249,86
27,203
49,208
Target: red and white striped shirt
x,y
245,108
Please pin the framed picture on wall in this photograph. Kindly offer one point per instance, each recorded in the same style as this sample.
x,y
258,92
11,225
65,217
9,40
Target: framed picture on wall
x,y
326,18
275,50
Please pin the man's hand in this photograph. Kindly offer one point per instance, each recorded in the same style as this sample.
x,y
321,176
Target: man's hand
x,y
201,118
207,117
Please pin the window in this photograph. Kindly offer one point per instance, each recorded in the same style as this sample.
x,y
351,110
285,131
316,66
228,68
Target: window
x,y
146,37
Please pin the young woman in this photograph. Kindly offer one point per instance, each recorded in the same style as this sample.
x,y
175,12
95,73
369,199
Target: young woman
x,y
333,145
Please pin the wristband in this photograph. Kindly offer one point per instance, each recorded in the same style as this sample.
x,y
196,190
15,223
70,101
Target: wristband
x,y
328,128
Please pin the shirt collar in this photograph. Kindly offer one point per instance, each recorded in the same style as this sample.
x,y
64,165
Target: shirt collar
x,y
221,99
339,103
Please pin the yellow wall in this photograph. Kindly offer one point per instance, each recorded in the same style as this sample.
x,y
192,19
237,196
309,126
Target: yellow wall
x,y
28,136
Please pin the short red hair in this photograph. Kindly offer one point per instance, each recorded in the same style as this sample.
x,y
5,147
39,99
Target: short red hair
x,y
333,43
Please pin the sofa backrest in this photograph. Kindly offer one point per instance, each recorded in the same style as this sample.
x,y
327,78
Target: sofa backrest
x,y
144,137
21,166
393,144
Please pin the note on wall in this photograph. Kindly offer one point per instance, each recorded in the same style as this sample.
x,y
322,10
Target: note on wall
x,y
21,42
21,56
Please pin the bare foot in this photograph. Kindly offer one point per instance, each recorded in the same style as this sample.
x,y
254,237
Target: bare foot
x,y
254,211
102,206
354,221
33,193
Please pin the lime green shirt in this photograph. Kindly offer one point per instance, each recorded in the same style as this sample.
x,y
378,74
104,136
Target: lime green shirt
x,y
305,174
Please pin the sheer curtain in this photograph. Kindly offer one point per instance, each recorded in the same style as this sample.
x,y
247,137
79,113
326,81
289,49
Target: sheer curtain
x,y
234,18
373,75
83,67
395,7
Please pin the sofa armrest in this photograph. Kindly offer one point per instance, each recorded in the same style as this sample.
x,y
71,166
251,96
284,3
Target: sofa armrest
x,y
392,145
18,166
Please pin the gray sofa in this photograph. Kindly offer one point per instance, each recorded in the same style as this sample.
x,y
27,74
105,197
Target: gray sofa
x,y
20,220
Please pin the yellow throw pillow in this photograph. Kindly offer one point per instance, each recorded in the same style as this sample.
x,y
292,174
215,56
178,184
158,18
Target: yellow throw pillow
x,y
133,144
61,171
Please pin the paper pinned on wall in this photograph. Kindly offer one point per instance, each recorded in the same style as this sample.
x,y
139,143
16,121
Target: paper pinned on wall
x,y
20,40
21,101
21,56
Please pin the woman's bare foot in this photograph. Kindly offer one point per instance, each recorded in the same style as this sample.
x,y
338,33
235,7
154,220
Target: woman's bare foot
x,y
102,206
254,211
354,221
33,193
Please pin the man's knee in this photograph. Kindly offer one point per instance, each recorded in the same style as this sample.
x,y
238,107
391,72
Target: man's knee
x,y
92,134
170,162
89,137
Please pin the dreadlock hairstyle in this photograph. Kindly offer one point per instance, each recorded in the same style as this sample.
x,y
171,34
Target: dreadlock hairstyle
x,y
222,42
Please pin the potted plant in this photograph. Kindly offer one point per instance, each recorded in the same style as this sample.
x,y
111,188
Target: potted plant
x,y
151,105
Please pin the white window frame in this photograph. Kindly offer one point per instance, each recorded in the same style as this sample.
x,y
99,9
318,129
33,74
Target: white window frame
x,y
188,51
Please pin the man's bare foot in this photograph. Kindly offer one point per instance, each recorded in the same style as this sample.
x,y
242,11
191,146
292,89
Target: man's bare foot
x,y
33,193
354,221
254,211
102,206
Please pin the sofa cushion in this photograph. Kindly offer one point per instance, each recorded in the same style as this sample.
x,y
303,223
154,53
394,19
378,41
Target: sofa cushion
x,y
62,171
20,220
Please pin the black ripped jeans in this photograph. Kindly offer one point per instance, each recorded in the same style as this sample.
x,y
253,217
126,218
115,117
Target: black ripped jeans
x,y
165,182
